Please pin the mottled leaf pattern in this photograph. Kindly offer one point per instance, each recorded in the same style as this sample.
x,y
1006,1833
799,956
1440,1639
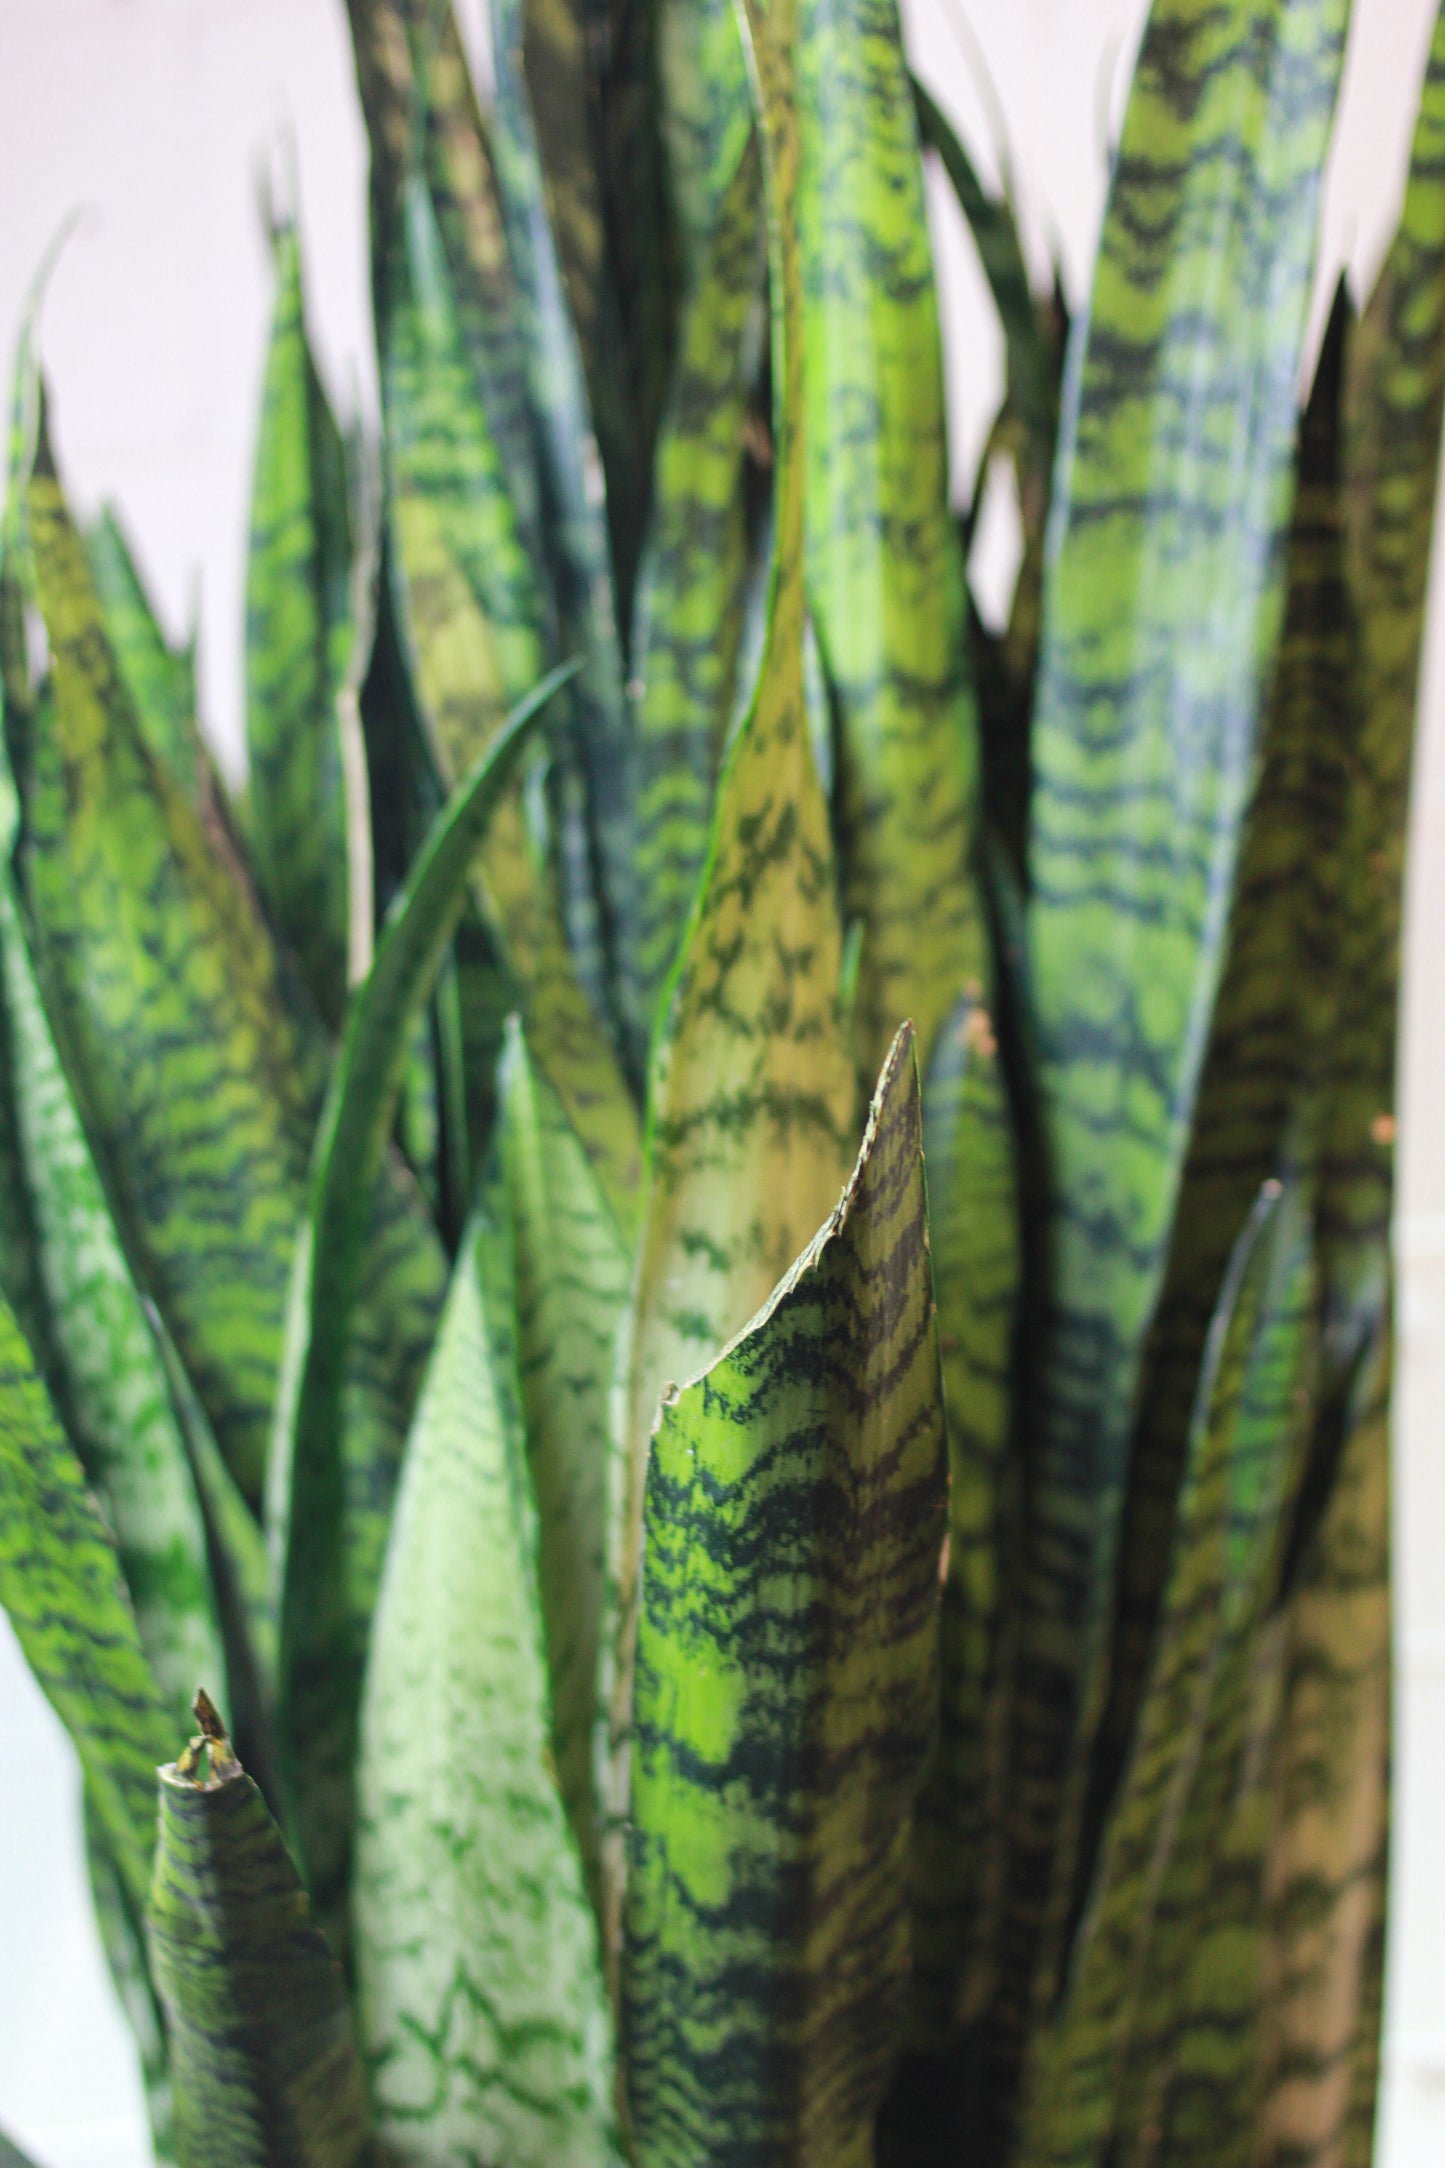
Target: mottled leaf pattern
x,y
161,680
61,1585
122,1936
885,573
299,635
483,2011
689,611
1165,594
573,1280
752,1091
115,1382
784,1695
264,2066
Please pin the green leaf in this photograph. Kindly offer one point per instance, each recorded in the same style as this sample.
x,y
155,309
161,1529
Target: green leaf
x,y
692,583
473,621
325,1589
480,1989
11,2155
265,2069
115,1384
1104,2066
61,1584
161,680
753,1088
1164,599
122,1935
573,1280
1030,371
706,119
885,573
974,1205
299,635
1269,1046
786,1691
161,985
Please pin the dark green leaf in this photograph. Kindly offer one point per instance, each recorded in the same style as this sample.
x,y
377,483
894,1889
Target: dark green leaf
x,y
480,1986
1163,607
122,1936
325,1591
785,1696
264,2066
299,636
61,1584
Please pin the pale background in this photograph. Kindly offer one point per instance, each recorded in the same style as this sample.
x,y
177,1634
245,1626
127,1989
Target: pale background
x,y
150,116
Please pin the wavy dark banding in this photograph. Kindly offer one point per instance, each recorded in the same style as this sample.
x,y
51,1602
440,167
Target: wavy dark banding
x,y
785,1693
1162,624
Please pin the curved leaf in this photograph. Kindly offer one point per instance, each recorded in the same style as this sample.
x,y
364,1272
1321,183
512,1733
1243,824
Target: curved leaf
x,y
299,635
264,2066
1164,596
61,1584
480,1989
753,1091
885,572
785,1696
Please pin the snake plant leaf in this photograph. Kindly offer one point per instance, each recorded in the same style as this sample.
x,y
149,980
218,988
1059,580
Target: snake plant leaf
x,y
299,635
1031,374
160,679
116,1390
264,2065
161,986
474,619
1325,1870
11,2155
973,1189
573,1282
706,117
1394,397
325,1593
1135,2010
480,1988
122,1936
1269,1042
688,629
786,1688
885,573
574,488
753,1087
61,1584
1164,601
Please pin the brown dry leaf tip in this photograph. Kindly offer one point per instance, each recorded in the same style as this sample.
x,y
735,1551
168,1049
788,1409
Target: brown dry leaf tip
x,y
208,1716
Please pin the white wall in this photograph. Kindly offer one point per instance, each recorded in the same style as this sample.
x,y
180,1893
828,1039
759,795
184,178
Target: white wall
x,y
150,115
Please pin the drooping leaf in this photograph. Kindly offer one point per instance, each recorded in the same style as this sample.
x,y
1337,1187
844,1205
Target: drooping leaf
x,y
474,622
691,586
122,1936
160,679
885,573
61,1585
299,634
115,1383
753,1087
325,1590
573,1280
481,1998
785,1695
264,2066
1164,596
1132,2012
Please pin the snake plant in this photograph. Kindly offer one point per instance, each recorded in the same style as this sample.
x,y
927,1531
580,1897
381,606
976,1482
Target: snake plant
x,y
719,1261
